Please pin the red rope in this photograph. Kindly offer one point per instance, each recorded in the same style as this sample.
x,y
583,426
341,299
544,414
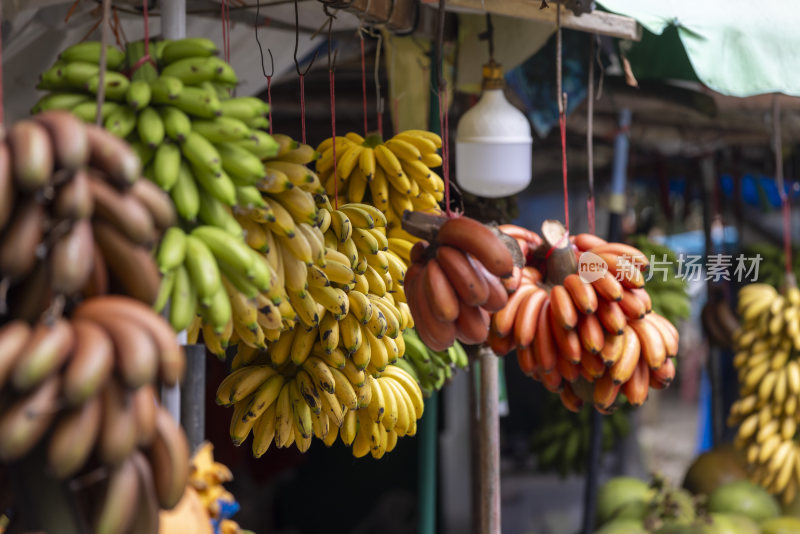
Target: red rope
x,y
590,210
380,123
269,101
444,126
226,31
364,84
303,108
562,121
332,82
146,57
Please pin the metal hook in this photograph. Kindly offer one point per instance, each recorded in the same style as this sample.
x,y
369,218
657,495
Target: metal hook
x,y
261,49
297,43
331,16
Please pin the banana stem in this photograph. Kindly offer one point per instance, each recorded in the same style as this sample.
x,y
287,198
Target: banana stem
x,y
561,260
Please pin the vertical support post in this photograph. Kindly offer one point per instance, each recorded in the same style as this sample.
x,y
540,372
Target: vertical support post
x,y
429,424
173,26
193,389
489,443
616,210
173,19
708,176
475,453
616,201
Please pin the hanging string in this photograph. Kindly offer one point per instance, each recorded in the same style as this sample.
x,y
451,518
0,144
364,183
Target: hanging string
x,y
263,68
146,58
101,86
377,76
562,116
301,74
590,136
226,30
332,88
363,81
443,119
778,148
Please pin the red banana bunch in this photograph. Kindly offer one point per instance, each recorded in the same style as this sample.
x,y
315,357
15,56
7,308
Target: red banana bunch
x,y
585,341
454,283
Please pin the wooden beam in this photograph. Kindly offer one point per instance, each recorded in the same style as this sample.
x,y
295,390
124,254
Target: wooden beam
x,y
596,22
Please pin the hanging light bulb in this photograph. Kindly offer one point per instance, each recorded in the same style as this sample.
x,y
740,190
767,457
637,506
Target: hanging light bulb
x,y
493,142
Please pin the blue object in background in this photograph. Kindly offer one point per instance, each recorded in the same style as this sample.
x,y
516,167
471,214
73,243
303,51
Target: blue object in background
x,y
227,509
705,432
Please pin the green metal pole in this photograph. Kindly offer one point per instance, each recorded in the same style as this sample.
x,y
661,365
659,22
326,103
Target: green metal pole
x,y
428,433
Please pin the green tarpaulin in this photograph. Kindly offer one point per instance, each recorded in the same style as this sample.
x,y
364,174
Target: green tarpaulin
x,y
735,47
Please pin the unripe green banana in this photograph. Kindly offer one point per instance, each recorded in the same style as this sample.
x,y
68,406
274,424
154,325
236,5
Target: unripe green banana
x,y
176,123
150,127
166,165
218,186
172,250
77,74
185,194
191,70
183,300
243,167
60,101
198,101
261,144
121,121
222,129
188,47
116,85
165,89
215,213
202,154
244,108
138,96
89,52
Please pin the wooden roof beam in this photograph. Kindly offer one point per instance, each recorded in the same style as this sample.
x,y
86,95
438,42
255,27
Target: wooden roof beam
x,y
598,22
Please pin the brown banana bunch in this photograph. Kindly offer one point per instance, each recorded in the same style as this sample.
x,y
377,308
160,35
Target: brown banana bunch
x,y
87,385
75,216
766,358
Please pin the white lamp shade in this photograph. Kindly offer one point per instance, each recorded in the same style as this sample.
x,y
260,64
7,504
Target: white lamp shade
x,y
493,147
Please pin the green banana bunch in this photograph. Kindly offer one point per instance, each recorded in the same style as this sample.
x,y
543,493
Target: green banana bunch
x,y
207,150
431,369
668,293
561,443
771,269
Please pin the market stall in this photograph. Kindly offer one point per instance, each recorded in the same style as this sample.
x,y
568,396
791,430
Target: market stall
x,y
398,266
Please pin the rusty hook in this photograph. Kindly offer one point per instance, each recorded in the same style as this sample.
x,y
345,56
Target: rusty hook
x,y
261,49
297,43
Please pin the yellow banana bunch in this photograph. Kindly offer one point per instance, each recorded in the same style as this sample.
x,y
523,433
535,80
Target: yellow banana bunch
x,y
395,175
207,477
767,360
348,311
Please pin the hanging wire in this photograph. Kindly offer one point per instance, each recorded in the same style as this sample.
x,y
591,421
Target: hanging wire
x,y
444,122
377,76
778,149
590,136
263,68
332,89
301,74
562,116
363,79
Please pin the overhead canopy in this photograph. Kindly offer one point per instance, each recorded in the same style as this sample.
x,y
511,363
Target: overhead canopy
x,y
735,47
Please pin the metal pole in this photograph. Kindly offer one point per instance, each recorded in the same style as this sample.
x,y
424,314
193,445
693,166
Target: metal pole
x,y
193,389
489,444
616,201
173,26
708,176
616,211
173,19
475,453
